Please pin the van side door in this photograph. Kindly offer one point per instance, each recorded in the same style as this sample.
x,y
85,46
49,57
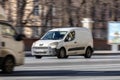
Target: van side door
x,y
70,43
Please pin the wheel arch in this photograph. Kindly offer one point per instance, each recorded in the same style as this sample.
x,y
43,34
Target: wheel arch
x,y
8,53
90,48
11,57
63,48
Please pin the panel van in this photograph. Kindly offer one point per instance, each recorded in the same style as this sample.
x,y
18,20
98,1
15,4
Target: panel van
x,y
63,42
11,48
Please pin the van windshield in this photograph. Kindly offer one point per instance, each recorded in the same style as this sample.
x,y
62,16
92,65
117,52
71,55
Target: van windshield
x,y
54,35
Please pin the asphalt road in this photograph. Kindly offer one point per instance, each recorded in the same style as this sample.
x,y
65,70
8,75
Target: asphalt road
x,y
99,67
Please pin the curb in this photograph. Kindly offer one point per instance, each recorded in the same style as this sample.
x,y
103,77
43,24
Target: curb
x,y
106,53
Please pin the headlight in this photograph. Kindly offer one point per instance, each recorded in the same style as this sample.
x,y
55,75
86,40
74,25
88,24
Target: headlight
x,y
54,45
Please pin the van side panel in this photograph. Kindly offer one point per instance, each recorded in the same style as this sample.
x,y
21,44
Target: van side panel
x,y
84,39
80,41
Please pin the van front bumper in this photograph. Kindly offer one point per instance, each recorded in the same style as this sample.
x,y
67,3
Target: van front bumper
x,y
44,51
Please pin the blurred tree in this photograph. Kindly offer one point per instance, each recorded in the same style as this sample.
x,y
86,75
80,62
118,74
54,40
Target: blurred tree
x,y
21,4
49,13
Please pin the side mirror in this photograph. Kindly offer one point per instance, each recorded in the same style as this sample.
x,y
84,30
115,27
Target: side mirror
x,y
19,37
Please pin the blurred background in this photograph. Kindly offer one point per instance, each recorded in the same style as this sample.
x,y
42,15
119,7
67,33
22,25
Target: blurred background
x,y
35,17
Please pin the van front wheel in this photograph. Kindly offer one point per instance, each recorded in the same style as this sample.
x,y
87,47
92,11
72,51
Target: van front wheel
x,y
8,65
88,53
62,53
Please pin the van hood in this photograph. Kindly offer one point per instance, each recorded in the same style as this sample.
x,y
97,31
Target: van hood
x,y
44,42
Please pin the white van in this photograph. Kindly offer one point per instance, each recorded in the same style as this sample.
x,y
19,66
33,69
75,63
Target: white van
x,y
63,42
11,48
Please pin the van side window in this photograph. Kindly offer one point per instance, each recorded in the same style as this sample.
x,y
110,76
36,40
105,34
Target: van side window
x,y
7,30
70,36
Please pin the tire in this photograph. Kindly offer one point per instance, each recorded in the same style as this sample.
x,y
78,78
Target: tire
x,y
62,54
38,57
88,53
8,65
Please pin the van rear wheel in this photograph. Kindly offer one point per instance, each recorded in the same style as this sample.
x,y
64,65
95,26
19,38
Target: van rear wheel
x,y
8,65
62,53
88,53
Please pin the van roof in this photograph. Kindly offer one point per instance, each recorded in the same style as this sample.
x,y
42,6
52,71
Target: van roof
x,y
67,29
